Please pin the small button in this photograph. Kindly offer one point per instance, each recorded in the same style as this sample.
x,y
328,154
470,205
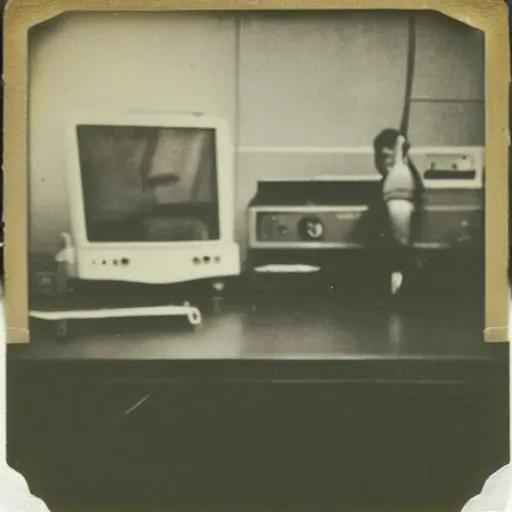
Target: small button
x,y
115,262
217,259
125,261
207,259
196,260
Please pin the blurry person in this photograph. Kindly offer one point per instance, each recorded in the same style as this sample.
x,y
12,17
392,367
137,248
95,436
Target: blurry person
x,y
402,192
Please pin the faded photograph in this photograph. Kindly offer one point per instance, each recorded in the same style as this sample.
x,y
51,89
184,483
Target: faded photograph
x,y
288,196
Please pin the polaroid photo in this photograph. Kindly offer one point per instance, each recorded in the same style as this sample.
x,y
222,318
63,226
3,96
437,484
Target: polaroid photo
x,y
271,224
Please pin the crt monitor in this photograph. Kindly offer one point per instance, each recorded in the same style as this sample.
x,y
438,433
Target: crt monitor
x,y
151,198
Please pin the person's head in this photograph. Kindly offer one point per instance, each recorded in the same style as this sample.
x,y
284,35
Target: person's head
x,y
384,146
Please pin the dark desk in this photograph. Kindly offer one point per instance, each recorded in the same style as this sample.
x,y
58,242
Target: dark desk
x,y
273,401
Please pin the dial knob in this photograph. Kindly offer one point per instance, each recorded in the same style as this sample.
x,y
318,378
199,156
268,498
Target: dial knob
x,y
311,229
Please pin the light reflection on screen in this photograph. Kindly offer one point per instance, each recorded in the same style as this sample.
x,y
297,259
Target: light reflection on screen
x,y
147,184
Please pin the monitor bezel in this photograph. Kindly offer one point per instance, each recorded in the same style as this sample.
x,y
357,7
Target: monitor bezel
x,y
224,180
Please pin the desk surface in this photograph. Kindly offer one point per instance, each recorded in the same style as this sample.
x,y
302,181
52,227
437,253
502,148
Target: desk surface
x,y
282,328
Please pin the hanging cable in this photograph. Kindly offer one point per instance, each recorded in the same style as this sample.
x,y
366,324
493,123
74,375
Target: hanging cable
x,y
411,59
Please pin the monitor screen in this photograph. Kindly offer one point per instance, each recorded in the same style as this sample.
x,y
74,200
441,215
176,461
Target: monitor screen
x,y
149,184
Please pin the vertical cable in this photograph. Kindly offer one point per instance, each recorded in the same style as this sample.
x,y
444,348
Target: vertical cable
x,y
411,59
416,225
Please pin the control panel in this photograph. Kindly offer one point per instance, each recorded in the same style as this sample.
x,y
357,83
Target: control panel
x,y
304,227
451,168
158,265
